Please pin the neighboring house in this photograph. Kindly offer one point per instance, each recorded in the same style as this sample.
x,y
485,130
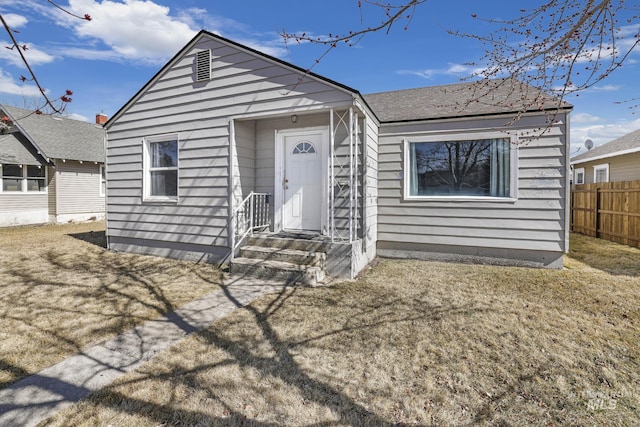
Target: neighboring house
x,y
223,133
617,160
51,168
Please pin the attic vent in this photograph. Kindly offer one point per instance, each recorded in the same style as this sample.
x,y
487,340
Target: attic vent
x,y
203,65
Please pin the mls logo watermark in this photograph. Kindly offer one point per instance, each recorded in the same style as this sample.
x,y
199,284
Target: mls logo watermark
x,y
599,401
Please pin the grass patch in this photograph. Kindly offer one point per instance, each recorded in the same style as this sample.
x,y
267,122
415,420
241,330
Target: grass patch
x,y
62,291
409,343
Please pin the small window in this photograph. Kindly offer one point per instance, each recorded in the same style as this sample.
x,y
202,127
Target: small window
x,y
36,178
578,176
12,177
161,169
304,147
465,168
103,181
23,178
203,65
601,173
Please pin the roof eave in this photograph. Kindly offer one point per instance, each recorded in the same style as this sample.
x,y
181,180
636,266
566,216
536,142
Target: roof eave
x,y
606,156
478,115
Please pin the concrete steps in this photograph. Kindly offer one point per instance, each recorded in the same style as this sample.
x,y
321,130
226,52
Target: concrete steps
x,y
284,259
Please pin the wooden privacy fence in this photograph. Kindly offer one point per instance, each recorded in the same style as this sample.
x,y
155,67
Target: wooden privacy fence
x,y
608,210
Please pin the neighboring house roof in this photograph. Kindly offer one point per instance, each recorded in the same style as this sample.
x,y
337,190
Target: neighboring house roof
x,y
629,143
16,149
481,98
56,137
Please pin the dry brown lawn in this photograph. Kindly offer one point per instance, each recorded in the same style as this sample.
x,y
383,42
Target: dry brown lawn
x,y
409,343
62,291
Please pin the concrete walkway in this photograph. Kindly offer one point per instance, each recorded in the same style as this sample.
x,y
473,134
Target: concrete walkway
x,y
39,396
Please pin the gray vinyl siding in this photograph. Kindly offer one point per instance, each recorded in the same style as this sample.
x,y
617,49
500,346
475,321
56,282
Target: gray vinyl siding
x,y
23,202
243,85
621,168
244,160
533,222
23,208
77,188
371,179
53,194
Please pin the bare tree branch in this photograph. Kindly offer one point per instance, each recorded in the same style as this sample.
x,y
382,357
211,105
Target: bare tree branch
x,y
561,47
58,105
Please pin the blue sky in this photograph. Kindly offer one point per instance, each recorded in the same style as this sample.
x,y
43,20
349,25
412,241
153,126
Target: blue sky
x,y
107,60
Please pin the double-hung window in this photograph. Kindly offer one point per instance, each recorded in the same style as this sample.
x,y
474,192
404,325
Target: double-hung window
x,y
601,173
579,176
441,167
103,181
161,168
23,178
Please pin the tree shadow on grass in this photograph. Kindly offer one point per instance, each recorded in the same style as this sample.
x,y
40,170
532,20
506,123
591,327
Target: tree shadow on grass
x,y
276,364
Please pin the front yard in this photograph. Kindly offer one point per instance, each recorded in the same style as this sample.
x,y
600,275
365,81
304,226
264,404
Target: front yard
x,y
61,291
410,342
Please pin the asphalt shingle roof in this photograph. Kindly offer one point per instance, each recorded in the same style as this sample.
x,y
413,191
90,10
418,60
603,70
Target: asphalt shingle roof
x,y
60,137
14,148
626,143
487,97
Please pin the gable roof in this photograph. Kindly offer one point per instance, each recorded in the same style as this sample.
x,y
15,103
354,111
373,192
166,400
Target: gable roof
x,y
57,137
204,33
629,143
486,97
16,149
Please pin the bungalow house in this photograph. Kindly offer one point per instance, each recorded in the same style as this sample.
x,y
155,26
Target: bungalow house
x,y
617,160
51,168
228,154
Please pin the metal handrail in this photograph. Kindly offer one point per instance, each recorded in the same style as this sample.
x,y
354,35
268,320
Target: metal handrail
x,y
251,214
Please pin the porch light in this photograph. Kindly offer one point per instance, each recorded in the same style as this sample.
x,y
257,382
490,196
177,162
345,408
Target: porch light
x,y
294,118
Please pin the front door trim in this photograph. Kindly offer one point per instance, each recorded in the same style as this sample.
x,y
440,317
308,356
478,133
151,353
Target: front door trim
x,y
278,196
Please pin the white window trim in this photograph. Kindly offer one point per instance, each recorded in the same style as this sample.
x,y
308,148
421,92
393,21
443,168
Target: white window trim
x,y
575,175
24,182
440,137
101,180
603,166
146,170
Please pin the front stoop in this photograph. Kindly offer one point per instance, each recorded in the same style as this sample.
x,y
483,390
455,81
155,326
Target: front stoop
x,y
285,259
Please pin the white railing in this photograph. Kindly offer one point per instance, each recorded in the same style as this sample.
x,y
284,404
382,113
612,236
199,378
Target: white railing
x,y
251,215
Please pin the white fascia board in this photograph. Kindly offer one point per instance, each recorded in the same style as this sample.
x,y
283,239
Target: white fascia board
x,y
606,156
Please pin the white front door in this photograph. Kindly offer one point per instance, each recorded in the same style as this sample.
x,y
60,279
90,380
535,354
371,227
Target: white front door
x,y
303,189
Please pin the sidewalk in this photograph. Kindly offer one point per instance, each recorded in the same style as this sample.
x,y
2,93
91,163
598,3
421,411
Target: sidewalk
x,y
39,396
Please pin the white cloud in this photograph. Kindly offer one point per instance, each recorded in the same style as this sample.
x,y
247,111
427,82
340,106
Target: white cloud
x,y
135,30
599,133
10,86
76,116
457,70
607,88
584,118
139,30
34,55
15,21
